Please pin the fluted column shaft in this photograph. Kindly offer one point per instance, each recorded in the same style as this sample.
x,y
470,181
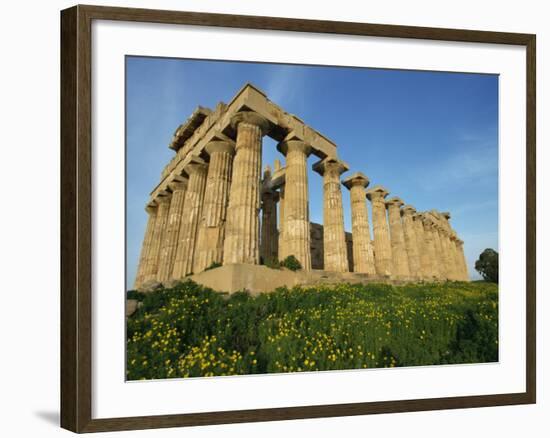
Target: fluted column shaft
x,y
439,255
457,268
423,250
170,238
157,239
447,256
430,247
400,258
269,235
334,236
146,245
381,233
363,252
296,212
450,241
411,243
242,233
463,266
211,229
193,203
281,243
457,265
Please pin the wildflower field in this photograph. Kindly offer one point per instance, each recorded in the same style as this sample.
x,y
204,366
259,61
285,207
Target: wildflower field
x,y
191,331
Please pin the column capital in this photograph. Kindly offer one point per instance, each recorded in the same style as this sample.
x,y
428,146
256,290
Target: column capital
x,y
330,164
356,179
435,213
251,118
377,192
426,220
163,198
150,208
394,202
178,185
446,215
408,210
286,146
266,176
195,166
220,146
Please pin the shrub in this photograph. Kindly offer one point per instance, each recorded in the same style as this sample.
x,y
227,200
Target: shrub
x,y
291,263
135,295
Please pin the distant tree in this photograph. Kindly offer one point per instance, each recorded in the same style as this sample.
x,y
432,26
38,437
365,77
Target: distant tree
x,y
487,265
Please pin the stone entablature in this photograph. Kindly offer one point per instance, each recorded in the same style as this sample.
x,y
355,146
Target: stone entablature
x,y
217,125
213,205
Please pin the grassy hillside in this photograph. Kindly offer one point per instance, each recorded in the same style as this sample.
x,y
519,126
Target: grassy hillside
x,y
190,331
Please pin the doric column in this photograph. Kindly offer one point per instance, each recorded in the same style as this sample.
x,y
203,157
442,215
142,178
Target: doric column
x,y
411,243
281,243
363,253
423,250
463,266
170,238
453,268
448,261
296,213
156,241
439,255
381,231
458,269
429,244
242,232
146,245
269,235
457,266
400,258
193,202
334,236
210,235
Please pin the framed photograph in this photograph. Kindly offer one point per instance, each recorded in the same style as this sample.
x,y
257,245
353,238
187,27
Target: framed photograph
x,y
269,218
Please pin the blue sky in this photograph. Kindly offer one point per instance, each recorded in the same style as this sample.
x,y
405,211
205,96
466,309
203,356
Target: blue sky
x,y
430,138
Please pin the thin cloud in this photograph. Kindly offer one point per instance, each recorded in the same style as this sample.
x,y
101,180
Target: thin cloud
x,y
285,87
473,165
475,206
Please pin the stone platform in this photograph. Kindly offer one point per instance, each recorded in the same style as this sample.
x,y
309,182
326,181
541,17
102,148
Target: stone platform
x,y
258,278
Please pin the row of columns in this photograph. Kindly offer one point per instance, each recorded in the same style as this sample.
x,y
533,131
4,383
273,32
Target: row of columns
x,y
211,215
406,245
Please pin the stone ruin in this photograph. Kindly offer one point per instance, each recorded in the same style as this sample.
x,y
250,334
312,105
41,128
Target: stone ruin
x,y
214,206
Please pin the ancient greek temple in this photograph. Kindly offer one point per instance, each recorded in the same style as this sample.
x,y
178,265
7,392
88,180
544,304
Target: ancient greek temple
x,y
214,205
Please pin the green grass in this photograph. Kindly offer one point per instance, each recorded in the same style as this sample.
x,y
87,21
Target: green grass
x,y
191,331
